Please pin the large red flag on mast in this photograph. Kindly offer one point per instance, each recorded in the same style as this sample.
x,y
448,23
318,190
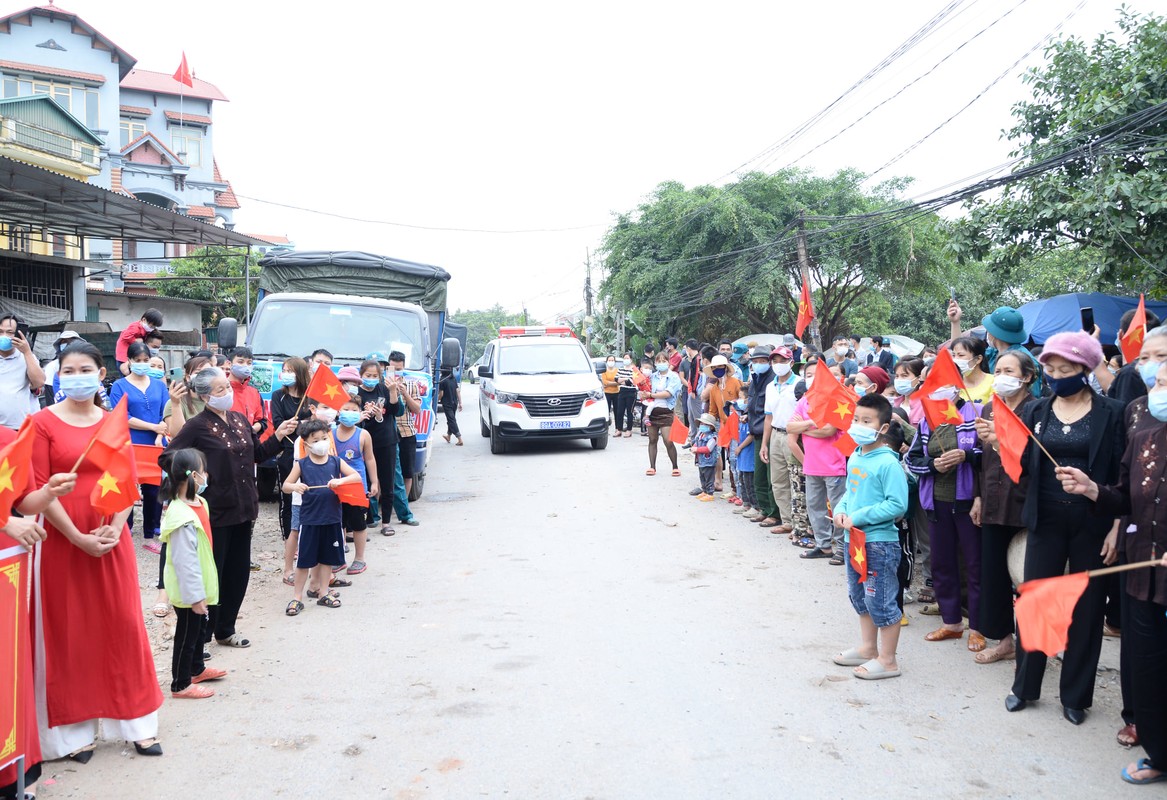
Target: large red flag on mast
x,y
182,74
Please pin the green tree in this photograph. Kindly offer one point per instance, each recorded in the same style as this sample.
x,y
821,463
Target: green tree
x,y
482,326
713,261
188,280
1110,198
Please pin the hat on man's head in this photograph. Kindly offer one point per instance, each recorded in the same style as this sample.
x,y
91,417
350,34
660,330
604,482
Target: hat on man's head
x,y
760,351
740,349
1007,324
783,351
67,336
788,339
377,355
1077,347
878,376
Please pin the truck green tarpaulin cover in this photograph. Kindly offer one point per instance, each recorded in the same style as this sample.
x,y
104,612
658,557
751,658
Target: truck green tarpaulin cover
x,y
355,273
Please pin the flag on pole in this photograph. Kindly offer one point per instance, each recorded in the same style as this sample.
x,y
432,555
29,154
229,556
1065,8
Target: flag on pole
x,y
857,552
1012,436
678,433
112,452
830,402
805,309
1044,611
943,373
940,412
18,736
146,461
352,493
326,388
15,468
1132,340
182,74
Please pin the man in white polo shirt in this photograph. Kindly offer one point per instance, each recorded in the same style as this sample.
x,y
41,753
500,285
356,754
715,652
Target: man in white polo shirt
x,y
780,403
20,374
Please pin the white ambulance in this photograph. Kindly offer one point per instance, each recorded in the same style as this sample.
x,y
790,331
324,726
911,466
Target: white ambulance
x,y
539,383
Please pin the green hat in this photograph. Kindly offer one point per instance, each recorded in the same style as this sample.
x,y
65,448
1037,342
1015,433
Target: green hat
x,y
1006,324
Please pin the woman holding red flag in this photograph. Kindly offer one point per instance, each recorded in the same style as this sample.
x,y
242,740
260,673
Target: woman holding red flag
x,y
231,449
93,663
1081,429
1139,492
998,508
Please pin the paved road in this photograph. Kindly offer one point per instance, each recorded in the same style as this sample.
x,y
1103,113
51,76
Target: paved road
x,y
562,626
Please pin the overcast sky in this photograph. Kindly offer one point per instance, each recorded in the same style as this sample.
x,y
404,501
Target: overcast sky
x,y
518,116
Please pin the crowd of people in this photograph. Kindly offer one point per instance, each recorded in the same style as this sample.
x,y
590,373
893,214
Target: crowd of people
x,y
934,505
92,663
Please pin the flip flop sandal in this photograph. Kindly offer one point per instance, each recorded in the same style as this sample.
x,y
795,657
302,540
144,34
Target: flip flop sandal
x,y
850,658
294,608
943,634
815,552
874,671
676,473
650,472
161,609
339,583
386,530
1128,736
194,692
329,601
805,542
992,657
1142,764
289,581
836,560
315,595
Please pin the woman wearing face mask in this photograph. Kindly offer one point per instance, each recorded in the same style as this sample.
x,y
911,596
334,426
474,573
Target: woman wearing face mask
x,y
380,405
660,400
946,461
626,398
1083,430
721,389
998,508
969,355
145,403
611,386
231,449
1140,492
288,402
909,374
85,590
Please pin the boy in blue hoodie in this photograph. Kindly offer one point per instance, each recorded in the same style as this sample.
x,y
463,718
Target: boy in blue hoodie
x,y
877,494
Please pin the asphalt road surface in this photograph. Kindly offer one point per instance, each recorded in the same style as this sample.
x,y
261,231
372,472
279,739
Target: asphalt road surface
x,y
562,626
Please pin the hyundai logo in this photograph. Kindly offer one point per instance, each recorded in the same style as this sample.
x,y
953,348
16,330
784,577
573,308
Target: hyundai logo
x,y
555,401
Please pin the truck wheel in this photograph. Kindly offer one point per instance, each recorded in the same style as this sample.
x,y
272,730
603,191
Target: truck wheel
x,y
485,428
497,445
417,487
600,442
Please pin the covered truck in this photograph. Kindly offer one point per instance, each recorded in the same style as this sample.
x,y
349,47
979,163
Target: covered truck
x,y
352,304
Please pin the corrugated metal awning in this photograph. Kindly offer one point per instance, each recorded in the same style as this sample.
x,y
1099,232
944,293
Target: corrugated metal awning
x,y
44,200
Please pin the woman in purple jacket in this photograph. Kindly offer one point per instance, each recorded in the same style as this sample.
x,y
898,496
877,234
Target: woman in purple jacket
x,y
947,461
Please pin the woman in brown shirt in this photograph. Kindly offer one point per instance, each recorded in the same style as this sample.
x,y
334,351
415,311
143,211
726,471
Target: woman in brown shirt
x,y
1141,493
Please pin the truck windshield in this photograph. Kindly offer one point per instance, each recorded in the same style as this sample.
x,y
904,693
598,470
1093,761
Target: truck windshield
x,y
348,331
543,359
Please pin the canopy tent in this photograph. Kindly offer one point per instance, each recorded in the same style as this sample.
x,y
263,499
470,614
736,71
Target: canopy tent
x,y
355,273
1044,318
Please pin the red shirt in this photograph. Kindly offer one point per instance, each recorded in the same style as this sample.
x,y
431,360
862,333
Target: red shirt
x,y
133,331
247,401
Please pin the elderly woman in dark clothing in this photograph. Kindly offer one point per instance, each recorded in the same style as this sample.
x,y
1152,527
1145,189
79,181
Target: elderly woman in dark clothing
x,y
1140,492
998,509
232,450
1083,430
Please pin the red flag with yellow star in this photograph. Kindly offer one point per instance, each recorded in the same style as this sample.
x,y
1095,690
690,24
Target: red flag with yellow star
x,y
830,402
857,552
15,467
1132,340
943,373
326,388
112,452
940,412
805,310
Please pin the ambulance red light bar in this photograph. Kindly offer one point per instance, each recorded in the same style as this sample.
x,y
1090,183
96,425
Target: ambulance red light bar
x,y
527,330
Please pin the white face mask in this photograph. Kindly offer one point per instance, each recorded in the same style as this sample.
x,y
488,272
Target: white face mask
x,y
781,370
1006,385
840,351
946,393
318,448
326,414
222,402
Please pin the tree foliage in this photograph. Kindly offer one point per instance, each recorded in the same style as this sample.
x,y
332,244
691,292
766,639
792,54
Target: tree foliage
x,y
713,261
227,293
1111,200
482,326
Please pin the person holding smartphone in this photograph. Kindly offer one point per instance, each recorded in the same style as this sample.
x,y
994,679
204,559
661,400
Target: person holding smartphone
x,y
21,376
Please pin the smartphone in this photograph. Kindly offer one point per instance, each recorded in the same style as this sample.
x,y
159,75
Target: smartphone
x,y
22,329
952,293
175,374
1088,319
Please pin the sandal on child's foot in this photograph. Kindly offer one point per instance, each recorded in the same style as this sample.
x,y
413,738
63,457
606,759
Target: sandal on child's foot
x,y
295,607
329,601
339,583
356,568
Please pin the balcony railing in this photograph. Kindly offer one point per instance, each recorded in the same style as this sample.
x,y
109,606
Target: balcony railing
x,y
36,138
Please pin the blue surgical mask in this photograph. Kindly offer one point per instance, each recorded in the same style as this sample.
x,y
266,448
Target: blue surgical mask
x,y
154,350
154,372
759,368
370,383
287,377
1147,370
140,368
862,434
81,386
705,429
741,405
1157,405
904,386
662,366
200,487
349,418
5,343
859,390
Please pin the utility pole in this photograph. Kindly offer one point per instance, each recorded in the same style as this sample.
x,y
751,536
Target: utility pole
x,y
804,265
524,314
589,320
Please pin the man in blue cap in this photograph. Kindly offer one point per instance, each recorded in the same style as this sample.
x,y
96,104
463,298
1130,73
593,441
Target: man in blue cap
x,y
1004,330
